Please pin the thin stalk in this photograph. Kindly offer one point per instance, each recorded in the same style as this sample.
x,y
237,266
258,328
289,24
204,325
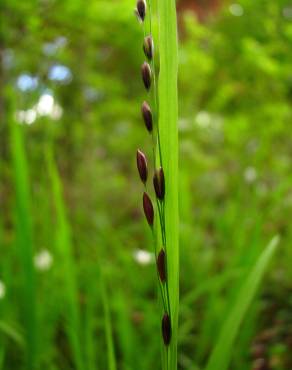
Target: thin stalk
x,y
163,291
65,251
168,133
24,239
111,356
155,90
165,151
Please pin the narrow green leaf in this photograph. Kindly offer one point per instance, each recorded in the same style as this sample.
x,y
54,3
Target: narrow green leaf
x,y
24,239
168,113
12,333
64,248
220,357
107,325
2,357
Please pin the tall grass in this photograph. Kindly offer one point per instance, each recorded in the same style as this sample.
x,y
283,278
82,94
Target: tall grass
x,y
24,240
66,259
160,117
168,131
221,355
111,358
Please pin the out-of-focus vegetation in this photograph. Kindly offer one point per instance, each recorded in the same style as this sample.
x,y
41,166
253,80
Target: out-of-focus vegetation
x,y
77,278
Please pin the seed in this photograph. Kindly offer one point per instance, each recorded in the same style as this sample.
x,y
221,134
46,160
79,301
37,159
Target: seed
x,y
161,265
166,329
159,183
141,10
148,47
148,209
146,75
142,166
147,116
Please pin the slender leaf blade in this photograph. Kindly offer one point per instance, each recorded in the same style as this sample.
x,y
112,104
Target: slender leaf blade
x,y
220,357
24,239
168,130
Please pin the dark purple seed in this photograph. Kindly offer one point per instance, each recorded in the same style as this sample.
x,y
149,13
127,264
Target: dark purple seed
x,y
166,329
147,116
159,183
146,75
161,265
148,209
148,47
142,166
141,9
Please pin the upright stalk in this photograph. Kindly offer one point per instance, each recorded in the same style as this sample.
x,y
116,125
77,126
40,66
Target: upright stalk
x,y
65,253
168,130
24,238
160,117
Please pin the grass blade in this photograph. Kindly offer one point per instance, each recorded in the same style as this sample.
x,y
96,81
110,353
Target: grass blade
x,y
168,112
221,354
12,333
24,239
107,324
64,247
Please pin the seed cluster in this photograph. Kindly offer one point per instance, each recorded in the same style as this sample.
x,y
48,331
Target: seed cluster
x,y
150,118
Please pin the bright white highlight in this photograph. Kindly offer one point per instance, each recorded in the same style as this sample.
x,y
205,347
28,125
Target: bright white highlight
x,y
43,260
143,257
46,106
236,10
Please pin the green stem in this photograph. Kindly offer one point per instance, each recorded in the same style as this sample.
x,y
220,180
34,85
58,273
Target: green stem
x,y
155,90
168,130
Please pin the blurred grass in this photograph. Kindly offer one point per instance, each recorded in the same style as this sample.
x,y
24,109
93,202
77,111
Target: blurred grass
x,y
24,241
221,355
64,252
108,326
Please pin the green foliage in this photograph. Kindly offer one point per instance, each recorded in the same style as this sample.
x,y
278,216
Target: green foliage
x,y
64,254
221,355
108,326
24,241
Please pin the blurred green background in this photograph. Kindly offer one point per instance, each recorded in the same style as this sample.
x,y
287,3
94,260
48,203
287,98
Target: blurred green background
x,y
77,277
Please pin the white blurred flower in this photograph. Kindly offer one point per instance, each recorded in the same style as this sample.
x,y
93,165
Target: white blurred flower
x,y
236,10
56,112
206,120
26,116
46,106
203,119
2,290
143,257
43,260
250,175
